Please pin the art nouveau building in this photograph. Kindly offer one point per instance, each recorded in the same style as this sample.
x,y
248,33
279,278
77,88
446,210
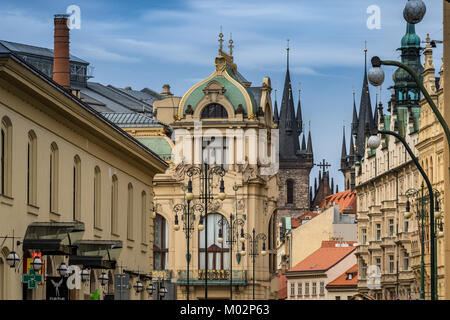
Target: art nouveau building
x,y
225,122
74,188
387,240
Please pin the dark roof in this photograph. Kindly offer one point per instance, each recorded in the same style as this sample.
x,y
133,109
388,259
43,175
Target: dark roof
x,y
21,48
131,119
8,53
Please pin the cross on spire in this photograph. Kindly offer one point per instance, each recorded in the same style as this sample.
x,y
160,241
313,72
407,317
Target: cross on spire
x,y
220,39
323,165
231,45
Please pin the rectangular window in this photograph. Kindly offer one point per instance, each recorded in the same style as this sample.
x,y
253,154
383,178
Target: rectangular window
x,y
391,263
307,289
322,288
378,232
405,261
299,289
405,225
314,288
54,171
391,227
97,197
144,217
378,263
363,270
130,212
338,298
364,236
292,290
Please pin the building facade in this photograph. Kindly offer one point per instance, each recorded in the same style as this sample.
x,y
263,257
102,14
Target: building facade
x,y
387,239
75,189
218,122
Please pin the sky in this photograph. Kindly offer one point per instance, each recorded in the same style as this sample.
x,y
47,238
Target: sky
x,y
151,43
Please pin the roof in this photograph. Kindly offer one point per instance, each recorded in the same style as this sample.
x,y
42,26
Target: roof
x,y
282,286
328,255
296,222
345,199
131,119
8,53
344,280
21,48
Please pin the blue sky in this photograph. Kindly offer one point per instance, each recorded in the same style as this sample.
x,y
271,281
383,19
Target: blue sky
x,y
150,43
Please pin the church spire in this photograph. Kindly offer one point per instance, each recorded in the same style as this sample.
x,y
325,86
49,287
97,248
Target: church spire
x,y
276,118
299,114
344,147
303,142
309,148
355,116
288,124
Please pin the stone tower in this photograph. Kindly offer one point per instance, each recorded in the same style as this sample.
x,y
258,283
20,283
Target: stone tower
x,y
296,161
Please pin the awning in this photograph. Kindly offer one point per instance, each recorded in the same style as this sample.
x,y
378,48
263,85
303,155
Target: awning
x,y
97,254
53,238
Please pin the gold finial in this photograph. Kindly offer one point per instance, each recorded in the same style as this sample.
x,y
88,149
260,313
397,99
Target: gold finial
x,y
299,88
231,45
288,48
428,39
220,39
365,45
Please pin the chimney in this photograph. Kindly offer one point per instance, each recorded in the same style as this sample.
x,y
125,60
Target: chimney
x,y
61,66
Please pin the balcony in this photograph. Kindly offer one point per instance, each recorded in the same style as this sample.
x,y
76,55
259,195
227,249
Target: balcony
x,y
387,242
215,277
388,205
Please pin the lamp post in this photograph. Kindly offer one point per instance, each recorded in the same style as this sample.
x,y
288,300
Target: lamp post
x,y
373,143
253,239
232,236
206,173
161,291
188,218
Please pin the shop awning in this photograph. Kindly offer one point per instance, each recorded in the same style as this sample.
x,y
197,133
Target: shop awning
x,y
97,254
53,238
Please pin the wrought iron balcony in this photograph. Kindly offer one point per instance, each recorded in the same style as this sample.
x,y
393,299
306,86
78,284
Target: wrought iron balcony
x,y
215,277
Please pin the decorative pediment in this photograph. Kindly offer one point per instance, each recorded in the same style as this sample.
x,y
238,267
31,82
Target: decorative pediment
x,y
213,90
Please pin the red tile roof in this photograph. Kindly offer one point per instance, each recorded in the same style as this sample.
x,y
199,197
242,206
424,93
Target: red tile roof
x,y
344,281
345,199
325,257
282,286
296,222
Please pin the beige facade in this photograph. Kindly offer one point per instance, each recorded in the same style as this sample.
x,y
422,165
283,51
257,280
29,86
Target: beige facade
x,y
80,168
307,238
446,115
254,201
431,157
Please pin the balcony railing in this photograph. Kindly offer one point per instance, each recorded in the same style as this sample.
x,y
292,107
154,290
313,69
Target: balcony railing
x,y
215,277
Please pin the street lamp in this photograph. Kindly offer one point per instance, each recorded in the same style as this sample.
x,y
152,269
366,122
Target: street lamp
x,y
373,143
36,264
188,218
254,239
206,173
138,286
62,269
150,288
84,275
414,11
12,259
103,279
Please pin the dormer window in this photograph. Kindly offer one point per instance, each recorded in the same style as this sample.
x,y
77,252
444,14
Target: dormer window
x,y
214,111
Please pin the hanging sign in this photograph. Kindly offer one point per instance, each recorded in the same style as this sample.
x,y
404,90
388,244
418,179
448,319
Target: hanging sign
x,y
30,276
56,288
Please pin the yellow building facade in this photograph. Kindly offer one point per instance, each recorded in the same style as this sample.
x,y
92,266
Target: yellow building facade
x,y
64,165
223,107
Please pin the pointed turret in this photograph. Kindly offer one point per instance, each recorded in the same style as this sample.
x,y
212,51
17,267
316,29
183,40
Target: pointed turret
x,y
365,118
309,147
355,117
344,147
276,118
303,143
288,125
332,185
299,115
352,147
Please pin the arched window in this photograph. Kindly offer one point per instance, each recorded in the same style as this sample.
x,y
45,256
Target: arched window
x,y
214,111
114,204
130,212
160,243
6,157
218,253
31,168
97,196
144,217
272,243
76,188
289,191
54,181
